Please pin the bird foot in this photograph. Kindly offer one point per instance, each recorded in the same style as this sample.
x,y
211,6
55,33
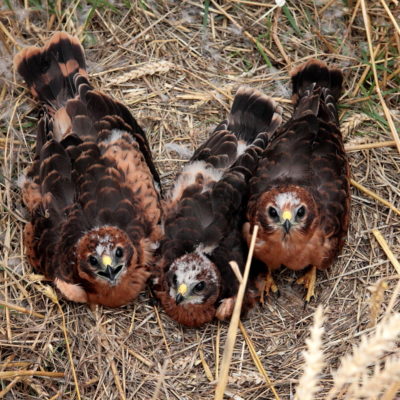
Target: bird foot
x,y
308,281
225,309
269,285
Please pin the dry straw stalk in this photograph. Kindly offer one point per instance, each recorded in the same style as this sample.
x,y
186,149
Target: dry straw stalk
x,y
233,326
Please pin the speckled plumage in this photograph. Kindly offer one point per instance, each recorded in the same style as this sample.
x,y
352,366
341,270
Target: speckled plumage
x,y
204,213
92,191
304,172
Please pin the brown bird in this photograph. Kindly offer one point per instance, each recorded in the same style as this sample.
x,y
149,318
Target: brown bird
x,y
300,195
92,191
204,213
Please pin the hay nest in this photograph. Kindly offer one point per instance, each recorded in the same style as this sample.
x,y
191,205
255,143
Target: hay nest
x,y
177,65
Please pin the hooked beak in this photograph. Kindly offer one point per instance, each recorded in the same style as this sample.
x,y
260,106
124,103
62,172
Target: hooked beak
x,y
179,298
287,225
182,289
109,272
287,216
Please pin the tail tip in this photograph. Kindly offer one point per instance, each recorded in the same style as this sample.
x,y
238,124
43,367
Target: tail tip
x,y
316,71
60,36
23,55
253,112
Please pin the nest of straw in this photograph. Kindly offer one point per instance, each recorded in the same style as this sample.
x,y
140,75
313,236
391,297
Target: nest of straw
x,y
177,65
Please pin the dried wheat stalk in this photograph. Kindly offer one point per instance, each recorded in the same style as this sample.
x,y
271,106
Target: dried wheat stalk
x,y
369,351
314,360
151,68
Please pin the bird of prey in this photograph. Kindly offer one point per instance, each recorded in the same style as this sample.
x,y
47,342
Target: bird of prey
x,y
204,214
92,191
299,195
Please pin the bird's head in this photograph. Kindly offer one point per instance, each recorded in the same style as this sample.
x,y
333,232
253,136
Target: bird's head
x,y
291,209
193,279
105,254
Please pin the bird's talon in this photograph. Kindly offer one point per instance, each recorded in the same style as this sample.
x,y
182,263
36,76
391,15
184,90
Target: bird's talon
x,y
269,286
308,281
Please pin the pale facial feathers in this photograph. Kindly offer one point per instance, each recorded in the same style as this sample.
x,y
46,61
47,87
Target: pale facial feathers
x,y
288,210
190,270
104,245
287,199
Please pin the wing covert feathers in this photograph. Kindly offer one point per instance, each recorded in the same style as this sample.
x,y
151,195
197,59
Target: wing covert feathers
x,y
205,209
305,159
92,186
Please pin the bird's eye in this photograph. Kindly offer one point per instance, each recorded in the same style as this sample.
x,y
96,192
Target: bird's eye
x,y
199,287
272,212
301,212
93,261
175,280
119,252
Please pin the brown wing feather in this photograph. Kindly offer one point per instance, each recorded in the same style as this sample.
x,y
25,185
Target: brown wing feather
x,y
91,186
306,156
205,208
56,75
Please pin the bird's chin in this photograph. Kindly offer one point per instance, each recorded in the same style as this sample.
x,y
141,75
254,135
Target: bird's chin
x,y
109,282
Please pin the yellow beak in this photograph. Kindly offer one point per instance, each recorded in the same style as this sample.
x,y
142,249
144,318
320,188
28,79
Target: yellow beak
x,y
106,260
182,289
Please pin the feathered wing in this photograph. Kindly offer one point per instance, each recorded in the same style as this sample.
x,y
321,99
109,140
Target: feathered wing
x,y
306,156
329,164
205,207
96,172
56,75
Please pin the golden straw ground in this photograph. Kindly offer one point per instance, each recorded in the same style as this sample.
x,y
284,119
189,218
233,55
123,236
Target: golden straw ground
x,y
177,66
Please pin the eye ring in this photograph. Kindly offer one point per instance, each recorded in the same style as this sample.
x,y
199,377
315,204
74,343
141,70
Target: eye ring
x,y
301,212
119,252
272,212
199,287
93,261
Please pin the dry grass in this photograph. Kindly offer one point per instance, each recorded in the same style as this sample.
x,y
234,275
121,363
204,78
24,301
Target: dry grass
x,y
177,64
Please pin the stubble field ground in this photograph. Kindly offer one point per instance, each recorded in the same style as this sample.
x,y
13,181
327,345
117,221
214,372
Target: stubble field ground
x,y
177,66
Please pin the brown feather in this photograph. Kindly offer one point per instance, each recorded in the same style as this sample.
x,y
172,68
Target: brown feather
x,y
92,190
205,210
305,160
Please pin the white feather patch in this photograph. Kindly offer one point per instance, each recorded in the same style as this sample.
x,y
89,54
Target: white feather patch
x,y
116,134
287,199
242,146
104,245
189,174
179,149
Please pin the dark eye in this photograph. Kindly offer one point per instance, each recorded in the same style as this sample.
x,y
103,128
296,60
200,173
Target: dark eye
x,y
175,280
199,287
301,212
119,252
272,212
93,261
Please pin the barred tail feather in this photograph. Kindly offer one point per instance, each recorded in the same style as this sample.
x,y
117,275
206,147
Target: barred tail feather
x,y
252,112
49,71
315,73
314,83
